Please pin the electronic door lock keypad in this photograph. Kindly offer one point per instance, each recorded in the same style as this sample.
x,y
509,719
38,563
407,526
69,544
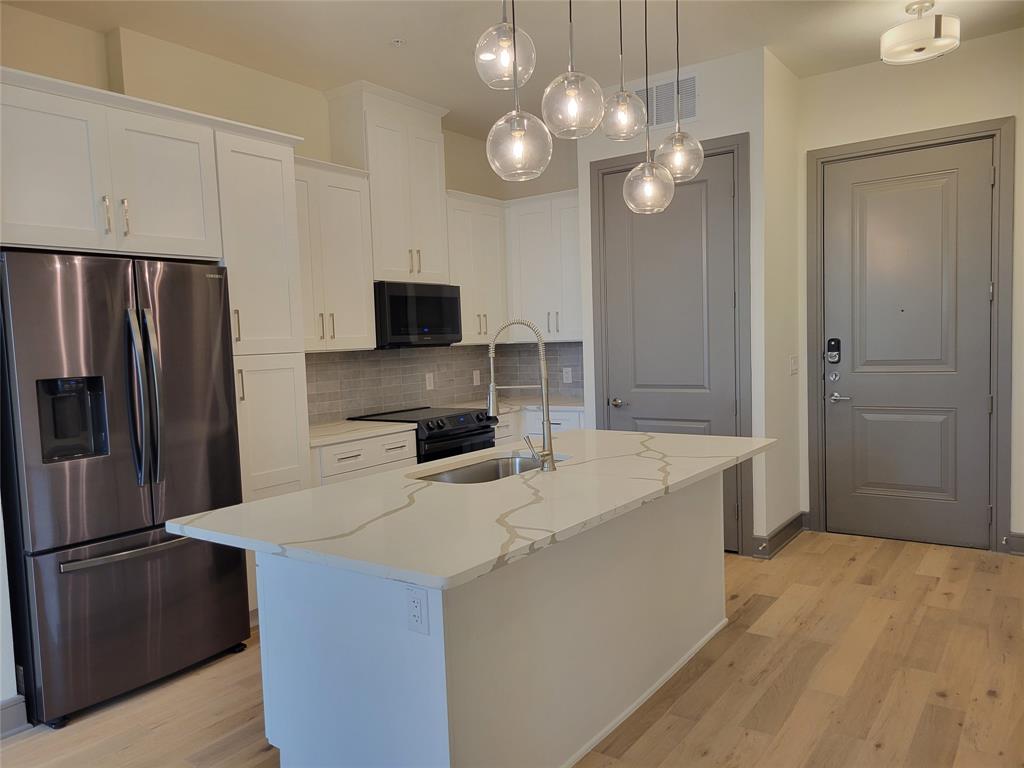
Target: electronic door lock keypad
x,y
832,351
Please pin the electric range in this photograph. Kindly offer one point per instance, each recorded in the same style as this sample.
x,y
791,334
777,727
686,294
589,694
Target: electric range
x,y
443,432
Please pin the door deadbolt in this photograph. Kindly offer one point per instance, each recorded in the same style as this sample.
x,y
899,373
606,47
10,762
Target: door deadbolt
x,y
832,351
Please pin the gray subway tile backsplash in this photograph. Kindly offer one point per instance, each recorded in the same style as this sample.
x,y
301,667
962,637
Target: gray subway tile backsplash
x,y
344,384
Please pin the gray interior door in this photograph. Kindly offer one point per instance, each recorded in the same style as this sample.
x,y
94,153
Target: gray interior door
x,y
185,323
670,315
907,270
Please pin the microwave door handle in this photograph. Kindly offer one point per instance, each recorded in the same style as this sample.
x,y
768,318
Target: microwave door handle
x,y
140,435
156,379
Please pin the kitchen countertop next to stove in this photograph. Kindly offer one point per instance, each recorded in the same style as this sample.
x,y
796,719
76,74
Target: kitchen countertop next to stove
x,y
343,431
397,525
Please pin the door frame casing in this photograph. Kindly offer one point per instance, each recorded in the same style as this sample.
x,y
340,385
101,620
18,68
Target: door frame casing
x,y
739,146
1001,132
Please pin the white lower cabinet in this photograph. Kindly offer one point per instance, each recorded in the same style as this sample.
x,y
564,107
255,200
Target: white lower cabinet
x,y
355,458
335,257
509,428
273,424
562,419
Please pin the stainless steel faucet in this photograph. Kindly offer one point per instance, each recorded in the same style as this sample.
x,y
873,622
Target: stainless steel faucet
x,y
546,455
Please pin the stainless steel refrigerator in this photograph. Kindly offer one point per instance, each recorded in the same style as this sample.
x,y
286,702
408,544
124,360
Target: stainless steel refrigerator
x,y
118,414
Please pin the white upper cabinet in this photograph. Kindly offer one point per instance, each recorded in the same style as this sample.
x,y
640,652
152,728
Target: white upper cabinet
x,y
257,202
165,185
544,266
336,257
83,175
55,176
398,140
476,231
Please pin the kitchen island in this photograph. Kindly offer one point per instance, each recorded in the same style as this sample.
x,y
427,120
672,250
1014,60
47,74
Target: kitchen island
x,y
406,621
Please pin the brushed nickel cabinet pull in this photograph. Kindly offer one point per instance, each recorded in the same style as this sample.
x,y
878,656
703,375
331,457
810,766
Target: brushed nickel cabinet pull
x,y
238,325
419,261
487,325
332,325
479,325
323,330
412,262
549,322
557,325
106,209
127,221
241,385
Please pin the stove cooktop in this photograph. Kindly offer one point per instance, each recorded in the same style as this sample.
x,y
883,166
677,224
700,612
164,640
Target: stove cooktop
x,y
435,421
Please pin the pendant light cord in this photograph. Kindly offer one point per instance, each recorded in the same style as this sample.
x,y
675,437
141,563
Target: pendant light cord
x,y
515,58
571,57
504,11
647,87
622,76
677,66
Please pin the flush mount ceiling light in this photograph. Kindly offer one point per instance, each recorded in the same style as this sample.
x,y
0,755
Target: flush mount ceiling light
x,y
493,55
519,144
649,187
624,112
573,103
681,153
922,38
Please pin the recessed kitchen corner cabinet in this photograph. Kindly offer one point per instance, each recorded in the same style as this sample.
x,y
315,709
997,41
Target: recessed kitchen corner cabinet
x,y
335,256
85,175
398,140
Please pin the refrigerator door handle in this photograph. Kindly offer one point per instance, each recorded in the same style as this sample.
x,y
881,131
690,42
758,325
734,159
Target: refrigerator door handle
x,y
138,418
156,379
130,554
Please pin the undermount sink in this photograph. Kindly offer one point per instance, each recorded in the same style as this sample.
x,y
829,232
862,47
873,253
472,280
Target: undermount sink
x,y
486,471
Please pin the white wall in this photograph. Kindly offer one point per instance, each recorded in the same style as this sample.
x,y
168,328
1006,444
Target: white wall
x,y
984,79
730,101
53,48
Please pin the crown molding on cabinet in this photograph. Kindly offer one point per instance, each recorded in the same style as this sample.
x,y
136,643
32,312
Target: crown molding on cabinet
x,y
51,85
310,162
364,87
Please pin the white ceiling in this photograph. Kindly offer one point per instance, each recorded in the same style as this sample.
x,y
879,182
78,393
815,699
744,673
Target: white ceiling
x,y
325,44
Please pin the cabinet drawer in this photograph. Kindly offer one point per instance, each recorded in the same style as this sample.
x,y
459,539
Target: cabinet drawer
x,y
561,420
330,480
360,454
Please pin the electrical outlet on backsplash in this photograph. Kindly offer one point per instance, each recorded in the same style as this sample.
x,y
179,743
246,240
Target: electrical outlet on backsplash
x,y
344,384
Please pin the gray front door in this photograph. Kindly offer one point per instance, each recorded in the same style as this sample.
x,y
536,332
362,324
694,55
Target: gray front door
x,y
669,313
907,270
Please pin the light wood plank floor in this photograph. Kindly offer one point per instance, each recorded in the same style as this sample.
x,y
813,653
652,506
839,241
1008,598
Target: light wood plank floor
x,y
842,651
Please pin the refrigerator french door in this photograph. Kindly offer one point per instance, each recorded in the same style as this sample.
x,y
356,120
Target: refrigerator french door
x,y
118,414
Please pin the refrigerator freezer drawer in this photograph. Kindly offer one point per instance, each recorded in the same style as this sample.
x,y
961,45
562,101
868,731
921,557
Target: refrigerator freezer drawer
x,y
113,616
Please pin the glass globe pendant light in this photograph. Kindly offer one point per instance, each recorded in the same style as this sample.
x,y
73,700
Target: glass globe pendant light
x,y
624,112
493,55
648,187
681,153
573,103
519,144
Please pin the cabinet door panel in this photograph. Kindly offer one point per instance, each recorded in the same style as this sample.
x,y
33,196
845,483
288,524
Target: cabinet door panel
x,y
347,261
165,185
427,201
538,287
307,216
257,190
489,258
464,269
273,423
569,320
56,171
388,156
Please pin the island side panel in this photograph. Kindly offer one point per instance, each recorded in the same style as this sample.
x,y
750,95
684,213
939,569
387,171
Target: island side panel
x,y
346,681
546,655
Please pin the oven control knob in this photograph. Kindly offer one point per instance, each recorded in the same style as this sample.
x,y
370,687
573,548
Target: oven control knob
x,y
440,423
431,424
480,416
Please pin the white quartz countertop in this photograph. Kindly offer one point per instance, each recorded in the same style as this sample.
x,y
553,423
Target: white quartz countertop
x,y
343,431
398,526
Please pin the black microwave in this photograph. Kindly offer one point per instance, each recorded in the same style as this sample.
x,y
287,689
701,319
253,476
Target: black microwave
x,y
417,314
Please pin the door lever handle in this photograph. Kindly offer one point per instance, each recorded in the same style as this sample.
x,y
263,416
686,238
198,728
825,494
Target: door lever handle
x,y
835,397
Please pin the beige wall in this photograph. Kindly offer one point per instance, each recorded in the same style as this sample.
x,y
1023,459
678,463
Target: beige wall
x,y
53,48
154,69
984,79
782,388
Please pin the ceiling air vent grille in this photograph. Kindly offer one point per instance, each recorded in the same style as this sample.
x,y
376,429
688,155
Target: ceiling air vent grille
x,y
663,111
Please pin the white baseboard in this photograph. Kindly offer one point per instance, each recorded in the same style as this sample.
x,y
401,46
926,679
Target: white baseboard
x,y
586,748
13,717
